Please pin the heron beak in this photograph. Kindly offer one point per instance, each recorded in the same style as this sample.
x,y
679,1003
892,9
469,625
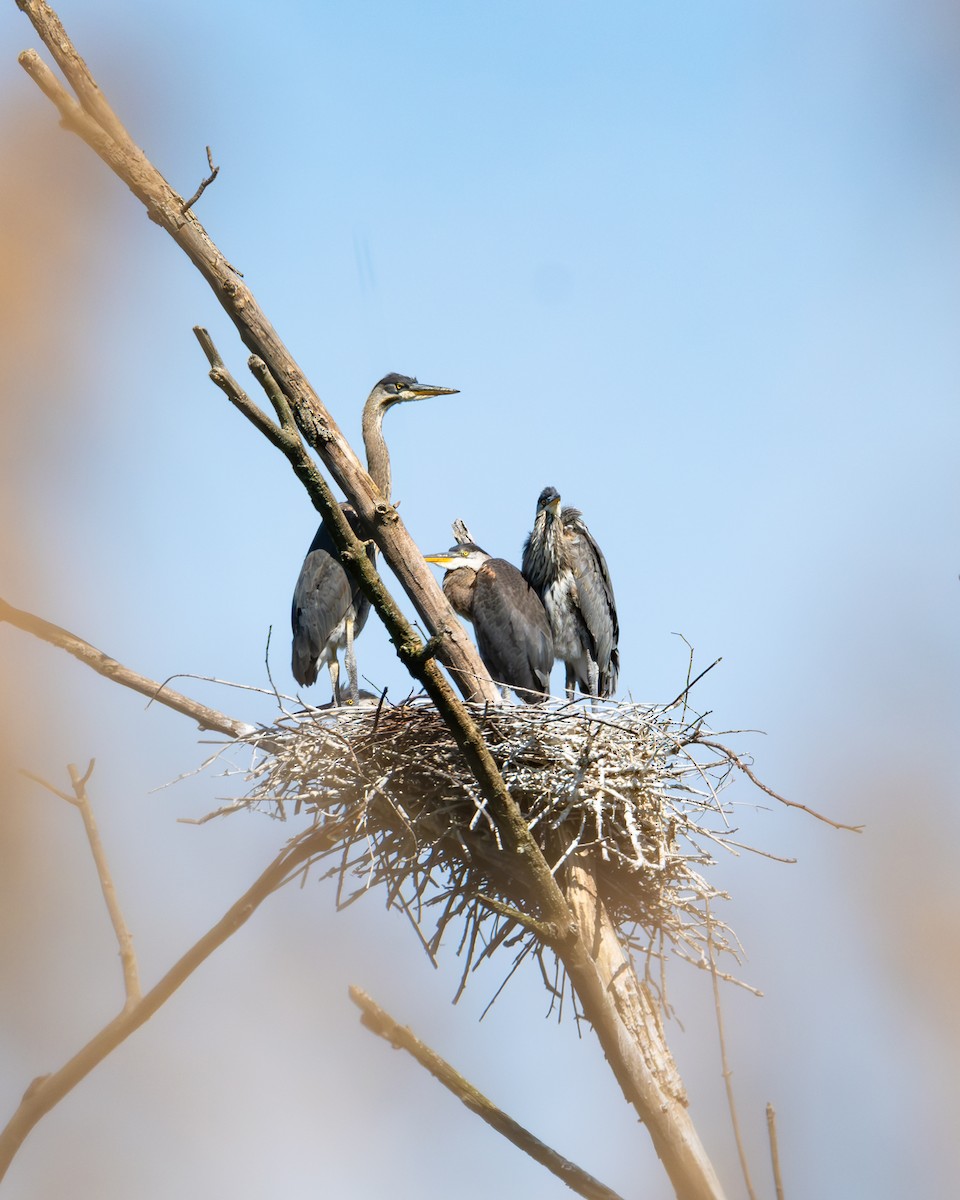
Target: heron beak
x,y
418,391
441,560
554,507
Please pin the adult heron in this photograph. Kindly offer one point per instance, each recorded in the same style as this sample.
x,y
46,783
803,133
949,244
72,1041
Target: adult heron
x,y
329,610
513,633
566,568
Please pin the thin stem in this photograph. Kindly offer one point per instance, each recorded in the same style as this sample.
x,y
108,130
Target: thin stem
x,y
81,801
131,976
741,765
214,172
774,1150
727,1073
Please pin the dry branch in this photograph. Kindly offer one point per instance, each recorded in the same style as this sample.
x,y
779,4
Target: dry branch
x,y
103,664
402,1038
94,121
48,1090
204,184
774,1150
80,800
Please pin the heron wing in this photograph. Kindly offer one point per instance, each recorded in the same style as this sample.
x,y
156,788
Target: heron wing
x,y
321,601
513,633
324,596
595,597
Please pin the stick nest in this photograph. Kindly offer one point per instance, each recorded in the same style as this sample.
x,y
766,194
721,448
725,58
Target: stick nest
x,y
629,785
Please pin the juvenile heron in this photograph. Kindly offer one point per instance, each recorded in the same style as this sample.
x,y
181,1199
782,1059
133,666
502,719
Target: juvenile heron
x,y
329,610
566,568
513,633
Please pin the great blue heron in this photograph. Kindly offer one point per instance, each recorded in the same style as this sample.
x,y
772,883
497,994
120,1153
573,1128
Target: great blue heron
x,y
513,633
329,610
566,568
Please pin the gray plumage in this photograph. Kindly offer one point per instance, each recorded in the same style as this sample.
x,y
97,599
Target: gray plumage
x,y
511,627
566,568
329,609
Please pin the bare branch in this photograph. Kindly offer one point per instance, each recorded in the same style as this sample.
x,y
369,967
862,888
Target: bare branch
x,y
131,976
742,766
725,1062
774,1150
214,172
206,718
261,373
318,427
75,70
81,801
548,934
48,1090
238,397
686,691
402,1038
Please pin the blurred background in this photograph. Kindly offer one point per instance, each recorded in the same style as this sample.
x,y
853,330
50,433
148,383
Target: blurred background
x,y
698,267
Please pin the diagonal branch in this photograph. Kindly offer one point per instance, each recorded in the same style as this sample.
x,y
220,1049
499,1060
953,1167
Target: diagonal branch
x,y
48,1090
206,718
402,1038
164,206
742,766
412,651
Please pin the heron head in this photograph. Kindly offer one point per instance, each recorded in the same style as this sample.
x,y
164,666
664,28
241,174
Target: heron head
x,y
398,389
549,502
464,554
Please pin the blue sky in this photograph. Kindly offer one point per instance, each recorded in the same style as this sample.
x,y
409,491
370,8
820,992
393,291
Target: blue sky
x,y
697,267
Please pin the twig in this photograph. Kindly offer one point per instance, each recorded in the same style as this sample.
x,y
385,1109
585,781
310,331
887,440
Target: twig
x,y
214,172
235,393
690,683
401,1038
206,718
544,932
774,1150
48,1090
741,765
727,1073
81,801
128,957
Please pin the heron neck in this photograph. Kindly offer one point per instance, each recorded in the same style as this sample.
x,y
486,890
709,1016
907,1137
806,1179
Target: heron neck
x,y
378,457
458,588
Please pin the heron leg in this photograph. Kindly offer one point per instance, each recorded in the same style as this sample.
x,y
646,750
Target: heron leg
x,y
571,682
334,666
350,662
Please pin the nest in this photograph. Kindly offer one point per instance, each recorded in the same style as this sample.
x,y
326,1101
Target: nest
x,y
635,788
